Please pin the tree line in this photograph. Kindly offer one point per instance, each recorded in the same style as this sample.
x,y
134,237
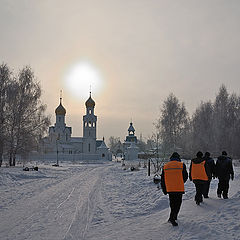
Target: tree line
x,y
214,126
22,114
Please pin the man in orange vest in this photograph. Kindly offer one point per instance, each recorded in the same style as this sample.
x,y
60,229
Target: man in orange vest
x,y
200,174
174,175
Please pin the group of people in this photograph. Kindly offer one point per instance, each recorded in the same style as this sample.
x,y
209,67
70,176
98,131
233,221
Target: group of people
x,y
202,170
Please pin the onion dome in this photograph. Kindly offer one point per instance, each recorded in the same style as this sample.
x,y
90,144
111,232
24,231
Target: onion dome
x,y
90,103
60,110
131,128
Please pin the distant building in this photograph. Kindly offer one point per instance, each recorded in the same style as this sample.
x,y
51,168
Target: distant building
x,y
130,144
59,142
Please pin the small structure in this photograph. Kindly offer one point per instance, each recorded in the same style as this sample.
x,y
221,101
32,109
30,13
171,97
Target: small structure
x,y
104,152
130,144
132,152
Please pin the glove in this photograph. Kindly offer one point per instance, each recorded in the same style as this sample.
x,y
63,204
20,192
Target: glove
x,y
232,177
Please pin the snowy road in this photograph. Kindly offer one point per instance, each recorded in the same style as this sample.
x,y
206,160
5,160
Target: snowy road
x,y
104,202
51,208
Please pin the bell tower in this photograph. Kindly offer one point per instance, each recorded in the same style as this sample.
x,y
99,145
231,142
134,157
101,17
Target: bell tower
x,y
89,127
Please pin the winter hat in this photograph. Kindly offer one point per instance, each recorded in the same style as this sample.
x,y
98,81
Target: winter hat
x,y
175,155
199,154
207,154
224,153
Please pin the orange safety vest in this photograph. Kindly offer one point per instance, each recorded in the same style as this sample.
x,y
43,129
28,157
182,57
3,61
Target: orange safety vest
x,y
173,176
198,171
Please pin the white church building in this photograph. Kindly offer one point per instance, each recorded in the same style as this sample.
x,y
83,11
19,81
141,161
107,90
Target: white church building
x,y
61,145
131,149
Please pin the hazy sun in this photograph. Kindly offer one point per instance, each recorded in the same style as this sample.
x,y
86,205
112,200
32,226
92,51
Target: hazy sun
x,y
81,77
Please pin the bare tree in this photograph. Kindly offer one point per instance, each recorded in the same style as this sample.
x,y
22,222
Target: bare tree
x,y
5,78
26,121
202,127
115,144
232,124
172,123
221,127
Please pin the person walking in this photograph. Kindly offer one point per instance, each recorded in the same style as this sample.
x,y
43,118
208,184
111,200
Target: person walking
x,y
224,170
200,174
212,166
173,177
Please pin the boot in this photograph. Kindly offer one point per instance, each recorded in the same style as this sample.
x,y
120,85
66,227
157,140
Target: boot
x,y
173,222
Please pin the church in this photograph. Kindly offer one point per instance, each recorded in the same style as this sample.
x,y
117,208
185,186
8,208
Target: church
x,y
61,145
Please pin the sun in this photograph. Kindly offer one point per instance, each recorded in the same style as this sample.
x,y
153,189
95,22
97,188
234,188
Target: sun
x,y
81,78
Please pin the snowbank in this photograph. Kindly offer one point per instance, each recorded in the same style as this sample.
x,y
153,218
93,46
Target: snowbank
x,y
102,201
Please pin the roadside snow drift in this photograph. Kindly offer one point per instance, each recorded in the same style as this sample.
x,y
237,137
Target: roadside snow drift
x,y
103,201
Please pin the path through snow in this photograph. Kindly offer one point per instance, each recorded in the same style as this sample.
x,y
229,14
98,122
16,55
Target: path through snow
x,y
102,201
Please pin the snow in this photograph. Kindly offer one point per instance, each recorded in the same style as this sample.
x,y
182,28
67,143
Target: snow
x,y
103,201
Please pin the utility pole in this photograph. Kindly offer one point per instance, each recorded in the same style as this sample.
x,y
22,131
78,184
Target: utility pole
x,y
149,167
57,150
157,150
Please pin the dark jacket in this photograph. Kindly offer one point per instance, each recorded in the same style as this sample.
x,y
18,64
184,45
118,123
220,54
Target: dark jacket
x,y
207,169
211,165
184,174
224,168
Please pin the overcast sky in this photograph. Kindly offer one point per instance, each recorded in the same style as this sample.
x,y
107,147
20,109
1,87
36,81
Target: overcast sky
x,y
144,49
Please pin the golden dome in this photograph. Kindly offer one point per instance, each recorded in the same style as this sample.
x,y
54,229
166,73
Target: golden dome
x,y
60,110
90,103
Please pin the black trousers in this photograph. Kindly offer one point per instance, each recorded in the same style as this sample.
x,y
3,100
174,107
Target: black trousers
x,y
175,200
223,186
206,188
199,192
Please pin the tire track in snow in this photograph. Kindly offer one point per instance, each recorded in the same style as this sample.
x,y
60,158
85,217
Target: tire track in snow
x,y
43,209
84,210
66,198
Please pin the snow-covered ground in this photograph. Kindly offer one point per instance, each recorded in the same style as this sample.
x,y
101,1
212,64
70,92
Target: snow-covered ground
x,y
103,202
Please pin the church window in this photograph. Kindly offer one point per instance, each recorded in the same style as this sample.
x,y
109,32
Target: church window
x,y
89,124
90,111
89,147
85,124
93,124
103,155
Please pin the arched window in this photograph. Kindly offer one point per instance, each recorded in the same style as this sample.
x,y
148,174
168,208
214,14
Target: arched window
x,y
89,147
103,155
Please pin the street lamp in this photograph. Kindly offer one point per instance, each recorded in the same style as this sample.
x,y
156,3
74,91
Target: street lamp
x,y
57,150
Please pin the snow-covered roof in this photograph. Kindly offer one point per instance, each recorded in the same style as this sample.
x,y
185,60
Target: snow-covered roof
x,y
133,146
66,146
103,145
76,139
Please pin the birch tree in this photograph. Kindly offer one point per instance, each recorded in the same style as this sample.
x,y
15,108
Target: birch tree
x,y
172,123
202,127
5,78
26,121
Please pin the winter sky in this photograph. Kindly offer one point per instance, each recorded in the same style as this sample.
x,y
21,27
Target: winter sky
x,y
141,50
